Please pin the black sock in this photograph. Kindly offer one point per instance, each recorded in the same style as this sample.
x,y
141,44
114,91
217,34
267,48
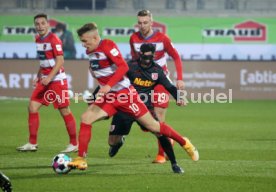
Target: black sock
x,y
167,146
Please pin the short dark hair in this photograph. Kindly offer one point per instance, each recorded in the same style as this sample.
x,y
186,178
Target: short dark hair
x,y
61,26
144,13
41,15
147,47
87,27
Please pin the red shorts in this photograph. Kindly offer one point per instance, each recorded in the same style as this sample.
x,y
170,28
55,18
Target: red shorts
x,y
161,97
55,92
126,100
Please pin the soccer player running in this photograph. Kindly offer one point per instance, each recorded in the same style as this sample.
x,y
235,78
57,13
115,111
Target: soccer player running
x,y
144,75
115,94
50,85
163,44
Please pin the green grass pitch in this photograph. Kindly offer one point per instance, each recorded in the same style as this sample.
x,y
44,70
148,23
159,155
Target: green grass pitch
x,y
236,142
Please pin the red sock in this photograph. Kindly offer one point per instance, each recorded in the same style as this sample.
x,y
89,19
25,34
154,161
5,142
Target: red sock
x,y
70,124
171,133
33,127
84,139
160,149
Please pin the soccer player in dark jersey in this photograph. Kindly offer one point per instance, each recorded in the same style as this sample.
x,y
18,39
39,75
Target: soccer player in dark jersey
x,y
163,44
50,85
144,74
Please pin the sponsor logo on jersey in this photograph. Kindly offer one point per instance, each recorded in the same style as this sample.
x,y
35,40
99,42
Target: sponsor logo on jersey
x,y
144,83
94,64
154,76
58,47
97,55
114,52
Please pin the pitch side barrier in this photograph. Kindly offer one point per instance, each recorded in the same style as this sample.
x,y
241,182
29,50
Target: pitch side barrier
x,y
225,80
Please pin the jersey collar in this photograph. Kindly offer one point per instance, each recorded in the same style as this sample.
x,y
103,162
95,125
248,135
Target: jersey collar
x,y
44,37
147,38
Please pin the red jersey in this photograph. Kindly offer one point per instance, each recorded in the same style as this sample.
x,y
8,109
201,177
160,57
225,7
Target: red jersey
x,y
48,48
162,44
108,66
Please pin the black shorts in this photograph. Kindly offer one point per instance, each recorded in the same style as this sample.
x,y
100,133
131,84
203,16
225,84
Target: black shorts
x,y
122,122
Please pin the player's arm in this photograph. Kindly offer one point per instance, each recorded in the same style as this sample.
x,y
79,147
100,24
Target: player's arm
x,y
132,50
95,92
59,63
177,61
93,97
130,69
116,57
38,75
163,80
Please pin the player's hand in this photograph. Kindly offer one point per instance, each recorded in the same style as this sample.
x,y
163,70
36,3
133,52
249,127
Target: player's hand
x,y
103,90
35,80
181,102
180,85
45,81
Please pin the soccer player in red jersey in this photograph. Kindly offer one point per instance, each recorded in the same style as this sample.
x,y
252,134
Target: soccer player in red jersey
x,y
115,94
50,85
163,45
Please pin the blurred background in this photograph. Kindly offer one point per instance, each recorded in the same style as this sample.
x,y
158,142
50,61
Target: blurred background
x,y
224,44
123,7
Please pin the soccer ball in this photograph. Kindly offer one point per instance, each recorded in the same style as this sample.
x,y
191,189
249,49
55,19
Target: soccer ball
x,y
60,163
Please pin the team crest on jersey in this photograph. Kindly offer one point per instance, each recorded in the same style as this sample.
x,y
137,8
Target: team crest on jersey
x,y
59,48
114,52
97,55
94,64
154,76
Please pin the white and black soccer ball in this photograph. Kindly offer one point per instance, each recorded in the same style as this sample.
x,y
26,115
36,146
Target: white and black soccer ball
x,y
60,163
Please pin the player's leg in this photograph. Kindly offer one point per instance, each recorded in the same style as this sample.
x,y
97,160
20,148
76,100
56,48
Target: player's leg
x,y
61,102
120,126
33,123
150,123
70,124
38,98
136,108
160,113
160,103
91,115
166,145
115,142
